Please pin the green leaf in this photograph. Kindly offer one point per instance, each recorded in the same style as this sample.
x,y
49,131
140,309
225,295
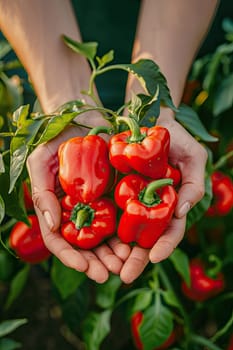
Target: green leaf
x,y
2,209
191,121
156,326
180,262
150,110
18,160
196,213
20,146
4,48
95,328
106,292
150,77
142,300
17,285
20,115
88,49
170,298
2,166
66,279
9,344
105,59
227,25
55,126
8,326
223,99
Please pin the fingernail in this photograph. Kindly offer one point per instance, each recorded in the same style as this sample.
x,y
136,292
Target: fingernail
x,y
184,209
48,219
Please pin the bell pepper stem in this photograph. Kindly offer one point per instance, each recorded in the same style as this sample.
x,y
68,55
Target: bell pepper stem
x,y
82,215
100,129
136,135
149,196
217,265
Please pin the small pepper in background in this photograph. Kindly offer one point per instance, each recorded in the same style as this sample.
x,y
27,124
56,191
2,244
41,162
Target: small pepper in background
x,y
87,225
136,320
85,172
27,196
144,150
222,187
147,208
202,286
27,241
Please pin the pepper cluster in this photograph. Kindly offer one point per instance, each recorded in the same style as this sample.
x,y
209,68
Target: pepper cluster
x,y
129,175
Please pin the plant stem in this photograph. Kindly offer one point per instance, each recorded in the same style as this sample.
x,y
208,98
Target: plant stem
x,y
204,341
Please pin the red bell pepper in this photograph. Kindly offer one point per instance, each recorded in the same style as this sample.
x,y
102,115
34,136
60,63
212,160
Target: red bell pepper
x,y
147,208
85,172
27,241
174,174
136,320
202,286
144,150
27,196
222,187
87,225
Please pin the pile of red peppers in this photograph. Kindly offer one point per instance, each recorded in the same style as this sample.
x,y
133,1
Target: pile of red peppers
x,y
126,182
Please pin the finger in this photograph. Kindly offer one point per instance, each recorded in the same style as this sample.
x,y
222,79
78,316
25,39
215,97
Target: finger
x,y
96,269
122,250
135,264
60,248
193,183
112,262
166,244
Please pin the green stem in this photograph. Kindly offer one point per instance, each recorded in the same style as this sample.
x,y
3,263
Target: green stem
x,y
205,342
223,330
136,135
82,218
149,196
100,129
82,215
222,160
213,271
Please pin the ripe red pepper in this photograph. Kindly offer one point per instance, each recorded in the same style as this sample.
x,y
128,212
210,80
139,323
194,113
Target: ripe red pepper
x,y
147,208
87,225
27,241
174,174
222,187
136,320
202,286
144,150
84,168
230,345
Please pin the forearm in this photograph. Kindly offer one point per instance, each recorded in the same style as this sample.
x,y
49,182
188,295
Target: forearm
x,y
170,33
34,29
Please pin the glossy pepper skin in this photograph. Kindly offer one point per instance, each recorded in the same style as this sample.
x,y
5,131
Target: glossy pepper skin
x,y
202,286
27,241
143,221
148,157
136,320
87,225
85,172
222,187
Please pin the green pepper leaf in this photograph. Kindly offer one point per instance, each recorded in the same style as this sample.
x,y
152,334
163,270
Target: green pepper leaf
x,y
223,98
156,326
2,209
8,326
191,121
87,49
106,292
17,285
142,300
55,126
105,59
149,75
5,47
66,279
20,115
2,166
180,262
9,344
95,328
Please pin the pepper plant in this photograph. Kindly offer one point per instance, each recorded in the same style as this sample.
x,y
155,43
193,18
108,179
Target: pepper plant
x,y
170,305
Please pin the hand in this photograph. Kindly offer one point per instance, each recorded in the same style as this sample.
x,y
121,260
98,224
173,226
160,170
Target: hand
x,y
43,168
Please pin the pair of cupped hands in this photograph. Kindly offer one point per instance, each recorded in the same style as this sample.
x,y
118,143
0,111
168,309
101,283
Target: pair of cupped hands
x,y
114,256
